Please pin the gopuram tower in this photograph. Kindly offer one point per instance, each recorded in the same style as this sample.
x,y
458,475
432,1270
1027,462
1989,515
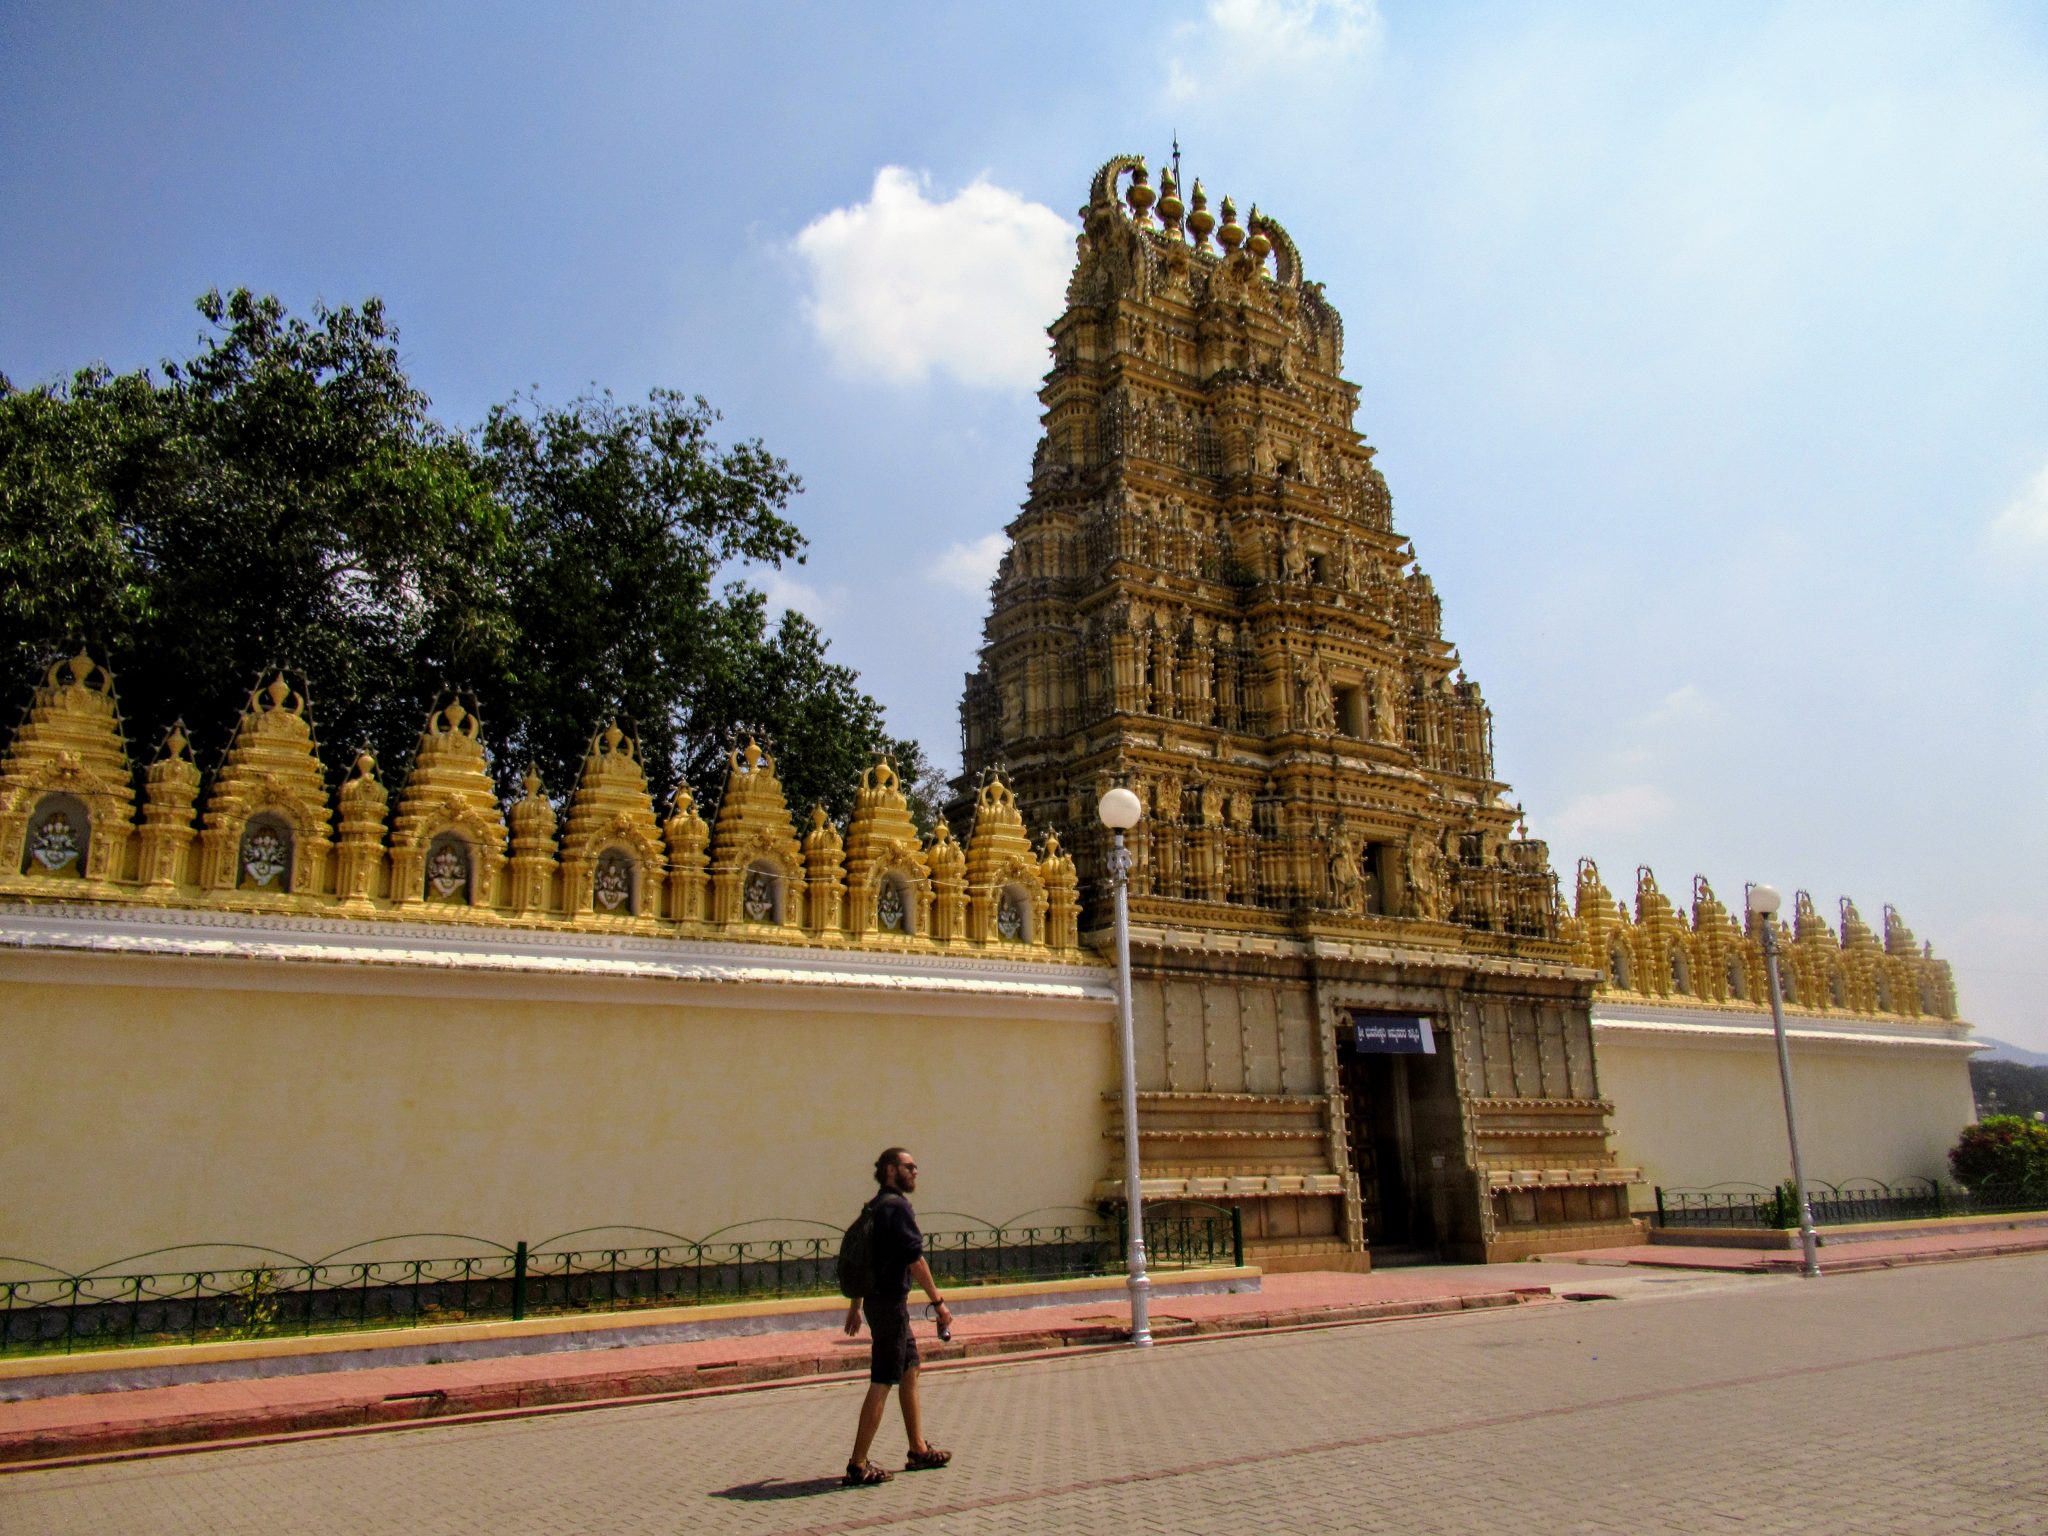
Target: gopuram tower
x,y
1356,1022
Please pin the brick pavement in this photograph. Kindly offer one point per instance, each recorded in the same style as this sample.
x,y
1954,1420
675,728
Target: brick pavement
x,y
1906,1401
89,1423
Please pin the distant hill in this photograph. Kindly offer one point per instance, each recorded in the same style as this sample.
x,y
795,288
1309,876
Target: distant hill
x,y
2009,1087
2000,1051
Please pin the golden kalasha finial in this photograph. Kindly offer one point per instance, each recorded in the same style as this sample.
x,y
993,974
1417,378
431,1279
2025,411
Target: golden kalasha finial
x,y
1140,196
1200,219
1260,246
1231,235
1170,205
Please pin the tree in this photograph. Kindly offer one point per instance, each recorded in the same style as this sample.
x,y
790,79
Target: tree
x,y
280,499
285,498
2011,1086
2004,1158
622,519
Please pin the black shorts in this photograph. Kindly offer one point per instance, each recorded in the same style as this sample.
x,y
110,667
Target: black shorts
x,y
894,1350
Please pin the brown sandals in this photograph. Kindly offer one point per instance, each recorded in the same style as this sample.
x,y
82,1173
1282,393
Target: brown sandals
x,y
865,1474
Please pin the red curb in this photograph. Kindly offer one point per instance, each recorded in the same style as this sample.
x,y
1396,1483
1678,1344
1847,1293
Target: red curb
x,y
221,1429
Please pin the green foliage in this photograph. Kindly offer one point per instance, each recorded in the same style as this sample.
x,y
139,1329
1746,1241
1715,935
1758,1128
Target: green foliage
x,y
2003,1158
256,1305
284,498
1785,1205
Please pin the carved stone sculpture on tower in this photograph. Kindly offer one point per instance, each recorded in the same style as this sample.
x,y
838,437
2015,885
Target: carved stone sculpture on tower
x,y
1318,708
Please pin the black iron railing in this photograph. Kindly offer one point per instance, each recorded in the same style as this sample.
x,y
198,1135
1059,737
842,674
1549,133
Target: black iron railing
x,y
1751,1205
265,1293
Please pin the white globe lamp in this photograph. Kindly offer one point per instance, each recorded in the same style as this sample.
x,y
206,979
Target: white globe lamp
x,y
1121,810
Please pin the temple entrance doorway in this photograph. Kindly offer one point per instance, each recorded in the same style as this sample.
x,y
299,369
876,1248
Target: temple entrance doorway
x,y
1401,1109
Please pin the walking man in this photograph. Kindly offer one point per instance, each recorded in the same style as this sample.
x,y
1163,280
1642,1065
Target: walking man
x,y
898,1259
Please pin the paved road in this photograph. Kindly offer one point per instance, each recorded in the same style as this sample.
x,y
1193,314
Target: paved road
x,y
1906,1401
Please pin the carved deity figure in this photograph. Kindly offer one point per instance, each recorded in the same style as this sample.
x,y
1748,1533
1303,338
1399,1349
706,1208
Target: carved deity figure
x,y
1293,558
1385,725
1010,918
1318,708
613,886
1429,877
447,872
1347,872
758,898
264,856
55,845
889,908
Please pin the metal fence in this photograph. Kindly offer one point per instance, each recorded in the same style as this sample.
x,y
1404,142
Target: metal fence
x,y
1752,1205
375,1285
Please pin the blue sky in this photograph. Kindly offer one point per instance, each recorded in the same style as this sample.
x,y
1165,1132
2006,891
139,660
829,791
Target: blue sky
x,y
1704,347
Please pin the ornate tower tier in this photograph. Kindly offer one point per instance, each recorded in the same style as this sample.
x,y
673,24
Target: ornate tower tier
x,y
1205,598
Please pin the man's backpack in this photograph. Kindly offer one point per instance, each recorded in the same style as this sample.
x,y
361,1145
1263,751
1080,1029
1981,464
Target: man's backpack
x,y
857,1254
856,1264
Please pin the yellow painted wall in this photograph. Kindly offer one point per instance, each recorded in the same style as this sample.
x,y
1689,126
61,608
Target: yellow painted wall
x,y
142,1115
1693,1115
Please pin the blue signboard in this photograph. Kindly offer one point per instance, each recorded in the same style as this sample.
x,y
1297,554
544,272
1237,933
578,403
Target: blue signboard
x,y
1392,1034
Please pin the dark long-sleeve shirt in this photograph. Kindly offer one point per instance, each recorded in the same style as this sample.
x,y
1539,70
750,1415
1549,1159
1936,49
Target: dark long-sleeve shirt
x,y
898,1244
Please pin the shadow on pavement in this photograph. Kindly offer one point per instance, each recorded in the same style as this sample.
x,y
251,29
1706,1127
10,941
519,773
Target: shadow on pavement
x,y
775,1488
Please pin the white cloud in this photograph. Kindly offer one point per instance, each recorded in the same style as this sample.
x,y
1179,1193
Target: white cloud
x,y
970,567
1664,733
903,286
2023,525
1681,706
1630,808
785,592
1239,44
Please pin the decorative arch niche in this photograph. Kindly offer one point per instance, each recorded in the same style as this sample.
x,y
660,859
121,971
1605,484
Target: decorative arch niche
x,y
615,885
265,858
763,889
449,875
58,839
1013,915
1617,965
895,905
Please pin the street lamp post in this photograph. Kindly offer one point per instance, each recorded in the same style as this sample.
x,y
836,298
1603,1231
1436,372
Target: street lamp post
x,y
1120,810
1763,905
